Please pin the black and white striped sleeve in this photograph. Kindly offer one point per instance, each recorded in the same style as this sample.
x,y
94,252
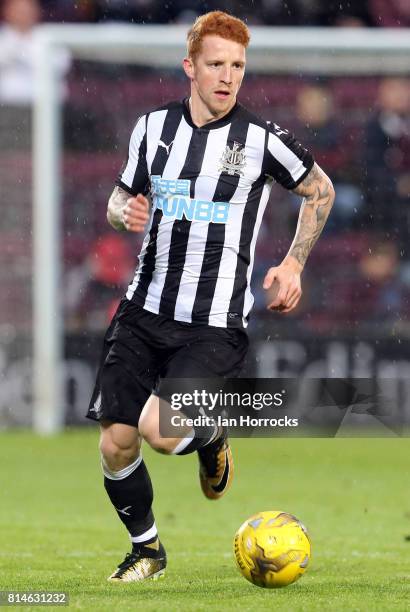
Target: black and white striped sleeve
x,y
285,158
134,176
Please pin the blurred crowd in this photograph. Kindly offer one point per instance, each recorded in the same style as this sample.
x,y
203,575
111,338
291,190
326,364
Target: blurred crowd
x,y
378,13
358,276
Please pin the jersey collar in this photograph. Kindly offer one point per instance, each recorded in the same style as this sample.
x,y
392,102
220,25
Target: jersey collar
x,y
212,124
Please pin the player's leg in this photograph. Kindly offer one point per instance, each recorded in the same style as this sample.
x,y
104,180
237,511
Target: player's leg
x,y
186,442
212,353
214,452
122,388
207,353
129,488
126,479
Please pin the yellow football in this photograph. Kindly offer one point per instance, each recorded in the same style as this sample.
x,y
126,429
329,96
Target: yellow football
x,y
272,549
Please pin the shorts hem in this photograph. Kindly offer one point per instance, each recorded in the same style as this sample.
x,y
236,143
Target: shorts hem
x,y
113,419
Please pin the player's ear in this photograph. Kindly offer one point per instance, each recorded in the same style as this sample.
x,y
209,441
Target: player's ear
x,y
188,66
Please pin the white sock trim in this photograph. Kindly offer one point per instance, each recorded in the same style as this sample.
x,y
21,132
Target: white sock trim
x,y
147,535
184,442
121,474
215,435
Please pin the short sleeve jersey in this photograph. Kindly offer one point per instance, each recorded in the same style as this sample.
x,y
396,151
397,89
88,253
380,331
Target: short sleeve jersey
x,y
209,187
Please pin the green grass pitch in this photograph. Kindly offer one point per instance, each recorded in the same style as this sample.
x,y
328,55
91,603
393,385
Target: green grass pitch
x,y
59,532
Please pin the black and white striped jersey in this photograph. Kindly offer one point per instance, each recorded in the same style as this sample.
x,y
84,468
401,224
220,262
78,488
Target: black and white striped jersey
x,y
209,188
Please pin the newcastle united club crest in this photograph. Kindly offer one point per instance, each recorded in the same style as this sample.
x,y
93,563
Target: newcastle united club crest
x,y
233,159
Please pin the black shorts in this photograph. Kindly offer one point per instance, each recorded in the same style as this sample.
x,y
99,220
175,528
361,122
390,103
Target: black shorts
x,y
141,349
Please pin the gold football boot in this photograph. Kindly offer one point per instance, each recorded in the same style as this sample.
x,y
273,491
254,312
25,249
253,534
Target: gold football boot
x,y
148,563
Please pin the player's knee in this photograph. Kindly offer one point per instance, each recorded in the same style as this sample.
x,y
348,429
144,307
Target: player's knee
x,y
150,432
116,455
161,445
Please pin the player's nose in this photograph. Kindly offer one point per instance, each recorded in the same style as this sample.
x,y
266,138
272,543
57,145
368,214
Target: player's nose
x,y
226,76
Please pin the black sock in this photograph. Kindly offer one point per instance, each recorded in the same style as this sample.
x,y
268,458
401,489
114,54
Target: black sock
x,y
197,443
132,498
152,544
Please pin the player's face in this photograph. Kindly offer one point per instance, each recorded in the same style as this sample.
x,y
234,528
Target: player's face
x,y
216,74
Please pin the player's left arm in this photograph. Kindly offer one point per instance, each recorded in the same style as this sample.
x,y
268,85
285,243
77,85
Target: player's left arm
x,y
318,197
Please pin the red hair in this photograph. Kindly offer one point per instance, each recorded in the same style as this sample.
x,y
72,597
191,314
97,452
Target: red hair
x,y
216,23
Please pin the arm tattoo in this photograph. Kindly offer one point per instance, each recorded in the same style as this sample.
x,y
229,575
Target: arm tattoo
x,y
116,205
318,199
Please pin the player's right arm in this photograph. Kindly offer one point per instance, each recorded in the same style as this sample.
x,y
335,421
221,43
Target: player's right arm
x,y
127,212
128,208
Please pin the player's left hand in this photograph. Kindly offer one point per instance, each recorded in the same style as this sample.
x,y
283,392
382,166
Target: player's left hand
x,y
283,281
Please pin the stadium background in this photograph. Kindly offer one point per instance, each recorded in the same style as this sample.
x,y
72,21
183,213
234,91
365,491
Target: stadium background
x,y
353,317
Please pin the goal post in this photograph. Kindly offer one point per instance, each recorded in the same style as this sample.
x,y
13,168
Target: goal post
x,y
315,51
